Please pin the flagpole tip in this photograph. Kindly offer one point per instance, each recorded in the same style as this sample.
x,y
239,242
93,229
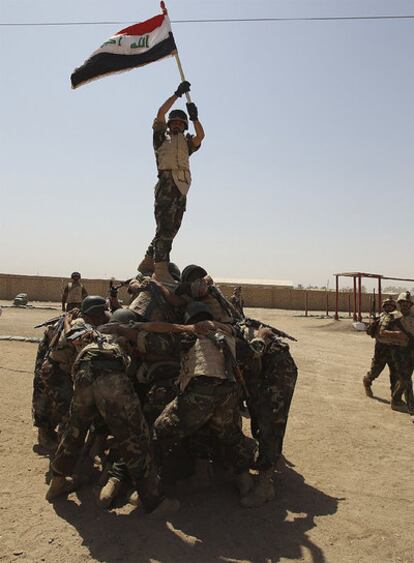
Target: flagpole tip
x,y
163,7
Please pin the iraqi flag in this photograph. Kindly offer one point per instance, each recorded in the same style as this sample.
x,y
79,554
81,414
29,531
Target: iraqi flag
x,y
134,46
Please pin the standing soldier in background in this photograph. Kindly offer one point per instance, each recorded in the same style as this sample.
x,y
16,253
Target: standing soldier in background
x,y
399,331
237,300
383,349
74,293
172,151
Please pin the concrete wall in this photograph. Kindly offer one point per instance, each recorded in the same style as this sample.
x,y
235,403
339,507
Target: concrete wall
x,y
48,288
273,297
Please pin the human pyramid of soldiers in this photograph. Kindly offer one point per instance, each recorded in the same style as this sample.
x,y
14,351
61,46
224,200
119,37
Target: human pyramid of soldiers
x,y
152,393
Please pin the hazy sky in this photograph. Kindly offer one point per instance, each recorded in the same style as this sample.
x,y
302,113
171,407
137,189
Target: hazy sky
x,y
307,165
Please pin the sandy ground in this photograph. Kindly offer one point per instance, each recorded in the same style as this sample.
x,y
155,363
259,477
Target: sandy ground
x,y
344,494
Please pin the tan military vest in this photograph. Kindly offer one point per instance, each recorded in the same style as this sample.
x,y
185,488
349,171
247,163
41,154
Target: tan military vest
x,y
218,312
144,305
74,293
204,358
388,338
173,155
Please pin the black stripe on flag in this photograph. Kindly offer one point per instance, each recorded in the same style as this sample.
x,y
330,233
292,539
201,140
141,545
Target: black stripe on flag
x,y
108,63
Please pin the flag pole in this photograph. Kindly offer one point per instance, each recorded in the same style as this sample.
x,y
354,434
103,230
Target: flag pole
x,y
176,55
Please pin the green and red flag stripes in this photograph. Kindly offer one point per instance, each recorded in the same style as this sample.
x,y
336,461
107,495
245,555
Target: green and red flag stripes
x,y
134,46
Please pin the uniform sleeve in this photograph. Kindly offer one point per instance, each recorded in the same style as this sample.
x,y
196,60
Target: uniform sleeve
x,y
190,144
141,341
159,129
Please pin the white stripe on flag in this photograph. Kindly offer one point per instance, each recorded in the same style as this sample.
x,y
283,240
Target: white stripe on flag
x,y
135,44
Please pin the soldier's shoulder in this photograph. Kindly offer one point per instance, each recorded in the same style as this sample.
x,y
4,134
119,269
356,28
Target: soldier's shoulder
x,y
159,124
387,318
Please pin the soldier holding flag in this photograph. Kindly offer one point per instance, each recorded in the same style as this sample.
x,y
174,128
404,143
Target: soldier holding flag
x,y
133,47
172,150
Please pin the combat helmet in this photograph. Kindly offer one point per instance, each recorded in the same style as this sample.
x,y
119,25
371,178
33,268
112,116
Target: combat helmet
x,y
192,272
180,115
124,316
174,271
389,301
93,304
196,312
405,296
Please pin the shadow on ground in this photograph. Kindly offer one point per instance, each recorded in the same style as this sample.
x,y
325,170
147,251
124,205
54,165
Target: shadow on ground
x,y
209,527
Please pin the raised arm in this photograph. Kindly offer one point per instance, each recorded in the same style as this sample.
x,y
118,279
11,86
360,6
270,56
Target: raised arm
x,y
168,104
131,332
198,128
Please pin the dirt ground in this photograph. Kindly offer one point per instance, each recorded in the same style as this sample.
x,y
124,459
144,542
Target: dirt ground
x,y
344,494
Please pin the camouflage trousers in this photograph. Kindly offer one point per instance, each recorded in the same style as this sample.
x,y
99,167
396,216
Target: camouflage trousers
x,y
155,397
108,392
270,397
210,402
168,210
383,357
58,389
404,365
40,410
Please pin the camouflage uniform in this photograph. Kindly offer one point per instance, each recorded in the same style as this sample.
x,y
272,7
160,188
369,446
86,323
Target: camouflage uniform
x,y
151,304
270,375
382,352
155,381
269,402
40,409
56,378
208,396
401,356
158,371
383,356
101,387
170,202
404,365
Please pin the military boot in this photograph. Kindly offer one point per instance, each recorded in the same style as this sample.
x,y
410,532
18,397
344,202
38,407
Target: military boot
x,y
47,438
162,274
60,485
109,492
146,266
244,483
367,386
410,406
398,405
262,492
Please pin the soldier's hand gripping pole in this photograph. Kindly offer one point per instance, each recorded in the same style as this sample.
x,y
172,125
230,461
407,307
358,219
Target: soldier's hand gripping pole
x,y
176,55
